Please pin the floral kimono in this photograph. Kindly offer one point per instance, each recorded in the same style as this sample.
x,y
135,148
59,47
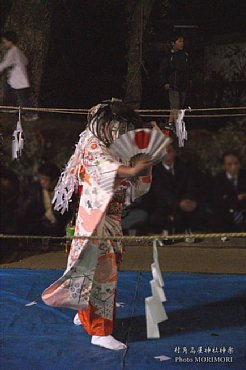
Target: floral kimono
x,y
89,282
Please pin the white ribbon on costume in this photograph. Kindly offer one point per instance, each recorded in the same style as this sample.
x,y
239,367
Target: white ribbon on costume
x,y
18,139
69,179
180,128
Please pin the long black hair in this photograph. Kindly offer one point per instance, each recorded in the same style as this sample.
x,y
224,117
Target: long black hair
x,y
111,119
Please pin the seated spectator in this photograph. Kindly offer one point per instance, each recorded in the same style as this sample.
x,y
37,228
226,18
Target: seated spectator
x,y
230,195
134,219
173,198
39,218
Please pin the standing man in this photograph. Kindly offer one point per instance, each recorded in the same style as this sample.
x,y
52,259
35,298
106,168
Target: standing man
x,y
174,74
17,84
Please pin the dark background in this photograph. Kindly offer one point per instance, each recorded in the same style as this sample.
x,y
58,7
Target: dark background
x,y
87,61
87,58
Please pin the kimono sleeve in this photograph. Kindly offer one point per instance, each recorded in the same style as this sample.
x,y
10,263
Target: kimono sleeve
x,y
101,166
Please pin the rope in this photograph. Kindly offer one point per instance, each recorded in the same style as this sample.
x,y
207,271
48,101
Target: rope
x,y
47,110
85,111
197,115
193,110
129,238
141,32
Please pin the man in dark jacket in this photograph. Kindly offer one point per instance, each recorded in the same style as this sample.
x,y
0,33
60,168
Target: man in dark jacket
x,y
38,215
174,75
172,201
230,195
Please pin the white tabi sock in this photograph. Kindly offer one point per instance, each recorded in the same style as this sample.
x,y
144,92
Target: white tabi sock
x,y
108,342
76,320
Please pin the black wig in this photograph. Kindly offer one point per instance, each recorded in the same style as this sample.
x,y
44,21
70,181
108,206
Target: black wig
x,y
111,119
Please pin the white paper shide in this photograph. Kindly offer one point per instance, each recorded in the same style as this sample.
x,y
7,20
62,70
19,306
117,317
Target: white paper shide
x,y
154,309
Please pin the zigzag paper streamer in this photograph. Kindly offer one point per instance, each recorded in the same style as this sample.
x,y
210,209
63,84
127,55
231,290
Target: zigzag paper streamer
x,y
154,310
18,140
180,128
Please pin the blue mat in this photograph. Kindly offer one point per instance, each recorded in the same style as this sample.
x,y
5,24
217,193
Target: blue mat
x,y
206,316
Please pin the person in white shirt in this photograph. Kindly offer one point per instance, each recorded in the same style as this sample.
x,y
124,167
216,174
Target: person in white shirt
x,y
17,84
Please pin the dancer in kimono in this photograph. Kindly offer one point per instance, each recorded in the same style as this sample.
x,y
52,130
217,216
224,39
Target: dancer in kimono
x,y
89,282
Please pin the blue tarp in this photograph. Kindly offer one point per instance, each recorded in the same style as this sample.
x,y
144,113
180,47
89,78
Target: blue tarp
x,y
206,314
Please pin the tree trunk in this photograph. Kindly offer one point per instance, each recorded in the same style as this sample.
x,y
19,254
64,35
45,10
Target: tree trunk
x,y
138,16
31,20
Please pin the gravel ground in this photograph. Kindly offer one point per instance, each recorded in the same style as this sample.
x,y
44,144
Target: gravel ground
x,y
209,256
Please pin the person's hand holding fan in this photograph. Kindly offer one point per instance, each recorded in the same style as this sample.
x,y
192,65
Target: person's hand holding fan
x,y
140,146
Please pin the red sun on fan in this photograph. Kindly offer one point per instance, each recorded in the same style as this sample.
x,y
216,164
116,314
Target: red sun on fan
x,y
142,139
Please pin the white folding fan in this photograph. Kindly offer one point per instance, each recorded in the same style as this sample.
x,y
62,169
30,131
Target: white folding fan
x,y
139,144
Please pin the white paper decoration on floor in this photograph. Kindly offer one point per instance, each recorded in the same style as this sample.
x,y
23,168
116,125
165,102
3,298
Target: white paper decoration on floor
x,y
154,309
